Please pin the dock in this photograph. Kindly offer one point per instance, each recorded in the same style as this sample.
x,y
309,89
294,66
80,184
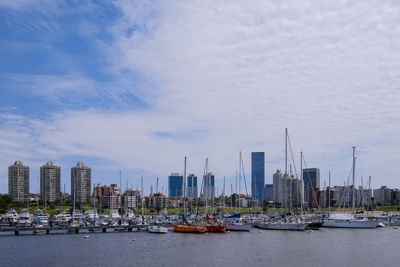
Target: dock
x,y
73,229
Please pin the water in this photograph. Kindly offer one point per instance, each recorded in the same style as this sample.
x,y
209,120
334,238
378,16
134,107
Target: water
x,y
326,247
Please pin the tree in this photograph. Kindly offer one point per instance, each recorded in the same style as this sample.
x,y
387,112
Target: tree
x,y
5,201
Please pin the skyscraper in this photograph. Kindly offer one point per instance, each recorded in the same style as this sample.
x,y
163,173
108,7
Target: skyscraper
x,y
269,192
288,191
209,186
81,181
50,187
277,186
175,185
192,186
257,175
311,183
18,182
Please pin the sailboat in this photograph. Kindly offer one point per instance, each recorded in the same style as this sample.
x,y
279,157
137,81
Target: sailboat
x,y
186,227
235,222
294,224
349,220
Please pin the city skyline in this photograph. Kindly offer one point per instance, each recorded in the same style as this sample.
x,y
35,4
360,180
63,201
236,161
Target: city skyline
x,y
138,86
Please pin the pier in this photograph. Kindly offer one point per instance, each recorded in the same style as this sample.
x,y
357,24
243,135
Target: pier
x,y
72,229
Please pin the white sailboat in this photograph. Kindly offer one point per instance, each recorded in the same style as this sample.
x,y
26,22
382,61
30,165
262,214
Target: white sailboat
x,y
294,224
349,220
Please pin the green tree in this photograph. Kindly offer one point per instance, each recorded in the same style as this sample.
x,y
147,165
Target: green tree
x,y
5,201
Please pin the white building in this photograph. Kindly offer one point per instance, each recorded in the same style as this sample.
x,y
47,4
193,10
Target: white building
x,y
288,190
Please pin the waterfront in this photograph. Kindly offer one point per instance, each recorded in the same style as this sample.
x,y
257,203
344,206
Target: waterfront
x,y
328,247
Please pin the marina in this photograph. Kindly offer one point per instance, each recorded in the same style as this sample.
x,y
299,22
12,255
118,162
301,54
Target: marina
x,y
195,223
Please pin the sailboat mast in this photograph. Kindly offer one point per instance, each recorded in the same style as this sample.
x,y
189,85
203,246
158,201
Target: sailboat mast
x,y
236,189
286,137
329,194
120,193
231,196
94,203
184,188
207,183
301,165
223,196
240,182
354,178
141,181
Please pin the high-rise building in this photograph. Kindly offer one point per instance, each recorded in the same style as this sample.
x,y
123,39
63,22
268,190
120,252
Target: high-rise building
x,y
311,179
287,190
18,182
209,186
192,186
382,196
277,186
175,185
131,199
257,175
81,182
269,192
50,183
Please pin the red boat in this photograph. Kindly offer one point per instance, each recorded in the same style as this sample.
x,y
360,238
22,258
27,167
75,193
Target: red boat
x,y
216,228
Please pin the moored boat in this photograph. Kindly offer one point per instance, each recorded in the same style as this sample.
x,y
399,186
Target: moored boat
x,y
216,228
349,222
157,229
238,227
189,229
292,226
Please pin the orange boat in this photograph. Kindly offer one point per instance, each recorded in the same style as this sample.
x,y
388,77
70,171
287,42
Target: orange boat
x,y
189,229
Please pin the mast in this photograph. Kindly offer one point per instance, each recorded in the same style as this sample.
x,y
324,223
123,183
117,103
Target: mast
x,y
354,178
141,181
120,194
184,188
286,137
240,181
369,190
207,183
94,203
223,196
301,165
231,196
236,189
329,194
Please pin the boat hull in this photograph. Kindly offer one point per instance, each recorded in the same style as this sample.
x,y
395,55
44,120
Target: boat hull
x,y
238,227
189,229
282,226
157,230
360,224
216,228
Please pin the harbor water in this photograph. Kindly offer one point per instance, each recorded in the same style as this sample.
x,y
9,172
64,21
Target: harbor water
x,y
324,247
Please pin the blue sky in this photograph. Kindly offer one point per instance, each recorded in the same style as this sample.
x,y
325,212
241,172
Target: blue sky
x,y
134,85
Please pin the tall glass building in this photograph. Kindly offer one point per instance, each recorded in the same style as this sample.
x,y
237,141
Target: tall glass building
x,y
209,186
311,182
257,175
192,186
175,185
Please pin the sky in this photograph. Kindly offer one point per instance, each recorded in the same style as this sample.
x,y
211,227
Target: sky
x,y
135,86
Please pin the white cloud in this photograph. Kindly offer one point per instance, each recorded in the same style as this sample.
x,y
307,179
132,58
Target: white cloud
x,y
236,75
